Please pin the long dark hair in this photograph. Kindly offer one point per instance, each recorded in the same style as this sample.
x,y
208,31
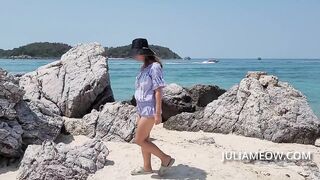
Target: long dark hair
x,y
151,59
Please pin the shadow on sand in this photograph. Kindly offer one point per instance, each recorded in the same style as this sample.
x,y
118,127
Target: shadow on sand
x,y
183,172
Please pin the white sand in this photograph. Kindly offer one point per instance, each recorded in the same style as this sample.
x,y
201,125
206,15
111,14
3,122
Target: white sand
x,y
193,161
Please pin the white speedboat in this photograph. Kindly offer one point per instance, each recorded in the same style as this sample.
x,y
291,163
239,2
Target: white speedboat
x,y
210,61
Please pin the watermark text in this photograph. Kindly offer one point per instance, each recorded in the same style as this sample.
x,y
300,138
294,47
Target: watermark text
x,y
265,156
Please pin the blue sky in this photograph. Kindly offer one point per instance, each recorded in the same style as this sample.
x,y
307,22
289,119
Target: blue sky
x,y
196,28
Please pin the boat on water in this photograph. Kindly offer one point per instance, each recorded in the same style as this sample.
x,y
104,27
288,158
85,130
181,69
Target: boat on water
x,y
211,61
259,58
187,58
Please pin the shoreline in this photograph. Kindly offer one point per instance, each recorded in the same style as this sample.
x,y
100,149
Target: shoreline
x,y
311,95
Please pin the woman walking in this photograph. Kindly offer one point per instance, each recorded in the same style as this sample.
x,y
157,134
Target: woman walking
x,y
148,95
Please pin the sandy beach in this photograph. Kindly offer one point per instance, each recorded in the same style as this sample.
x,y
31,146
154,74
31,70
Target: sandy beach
x,y
197,157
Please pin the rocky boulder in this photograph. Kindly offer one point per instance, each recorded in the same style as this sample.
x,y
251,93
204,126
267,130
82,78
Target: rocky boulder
x,y
10,130
114,122
10,95
38,122
204,94
260,106
85,126
10,139
176,100
22,122
59,161
74,85
185,121
317,143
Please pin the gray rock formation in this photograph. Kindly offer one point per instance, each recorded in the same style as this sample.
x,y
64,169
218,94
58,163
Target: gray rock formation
x,y
10,94
58,161
21,122
115,122
74,85
10,130
260,106
176,100
38,122
10,138
85,126
317,143
204,94
185,121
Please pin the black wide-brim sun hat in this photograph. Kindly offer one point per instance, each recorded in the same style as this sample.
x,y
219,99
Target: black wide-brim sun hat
x,y
140,46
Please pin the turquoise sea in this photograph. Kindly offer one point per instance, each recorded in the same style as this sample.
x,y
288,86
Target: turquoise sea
x,y
303,74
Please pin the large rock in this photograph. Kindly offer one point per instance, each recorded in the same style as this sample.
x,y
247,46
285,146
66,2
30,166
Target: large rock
x,y
176,100
58,161
185,121
85,126
10,138
317,143
38,122
10,130
260,106
22,122
204,94
10,95
74,85
115,122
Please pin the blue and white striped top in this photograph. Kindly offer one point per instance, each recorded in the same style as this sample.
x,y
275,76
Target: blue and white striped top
x,y
148,80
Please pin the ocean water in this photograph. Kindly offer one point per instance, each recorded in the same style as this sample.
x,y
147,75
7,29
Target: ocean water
x,y
303,74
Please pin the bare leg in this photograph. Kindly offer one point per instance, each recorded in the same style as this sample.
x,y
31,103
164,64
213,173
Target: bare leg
x,y
146,158
142,139
146,155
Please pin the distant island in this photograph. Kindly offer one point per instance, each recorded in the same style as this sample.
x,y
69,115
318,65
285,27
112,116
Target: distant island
x,y
47,50
123,52
36,50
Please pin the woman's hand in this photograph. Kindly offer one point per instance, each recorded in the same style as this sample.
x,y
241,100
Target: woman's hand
x,y
157,119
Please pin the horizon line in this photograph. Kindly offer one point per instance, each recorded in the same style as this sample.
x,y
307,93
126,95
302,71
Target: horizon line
x,y
72,45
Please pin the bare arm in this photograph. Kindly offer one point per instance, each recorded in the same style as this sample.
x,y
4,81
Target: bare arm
x,y
158,96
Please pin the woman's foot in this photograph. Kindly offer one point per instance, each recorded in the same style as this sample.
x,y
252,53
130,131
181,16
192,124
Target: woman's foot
x,y
141,171
165,167
165,162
